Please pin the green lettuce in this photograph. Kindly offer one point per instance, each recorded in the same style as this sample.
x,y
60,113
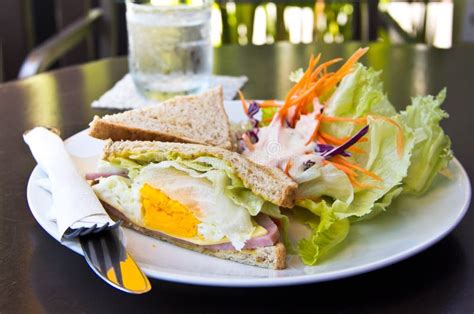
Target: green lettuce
x,y
382,159
324,181
267,115
325,195
432,147
131,166
359,94
296,75
380,205
336,208
327,231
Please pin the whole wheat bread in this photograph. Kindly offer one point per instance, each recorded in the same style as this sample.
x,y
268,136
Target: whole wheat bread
x,y
268,182
199,119
273,257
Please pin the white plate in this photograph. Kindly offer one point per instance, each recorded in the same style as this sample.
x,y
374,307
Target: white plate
x,y
410,225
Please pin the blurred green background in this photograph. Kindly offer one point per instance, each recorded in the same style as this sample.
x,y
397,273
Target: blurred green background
x,y
259,22
29,24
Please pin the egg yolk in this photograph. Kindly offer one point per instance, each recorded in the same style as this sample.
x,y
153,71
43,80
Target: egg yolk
x,y
167,215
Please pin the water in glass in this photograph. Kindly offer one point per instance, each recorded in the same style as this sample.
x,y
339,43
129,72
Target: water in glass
x,y
170,50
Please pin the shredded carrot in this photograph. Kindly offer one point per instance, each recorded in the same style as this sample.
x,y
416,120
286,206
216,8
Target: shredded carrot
x,y
342,119
248,142
323,67
363,186
303,99
300,101
268,104
350,170
343,168
287,167
302,83
306,93
244,103
344,70
316,81
344,162
400,136
312,62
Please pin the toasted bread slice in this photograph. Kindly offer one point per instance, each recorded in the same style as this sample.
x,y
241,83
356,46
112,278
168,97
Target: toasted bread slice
x,y
199,119
273,257
270,183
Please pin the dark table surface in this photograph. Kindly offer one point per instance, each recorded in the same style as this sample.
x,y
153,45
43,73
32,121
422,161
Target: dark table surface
x,y
37,274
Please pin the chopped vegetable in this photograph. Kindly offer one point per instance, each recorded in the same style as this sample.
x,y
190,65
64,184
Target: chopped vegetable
x,y
432,151
244,103
338,150
324,116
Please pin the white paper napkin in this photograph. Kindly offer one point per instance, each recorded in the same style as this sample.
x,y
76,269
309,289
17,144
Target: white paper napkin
x,y
74,202
124,95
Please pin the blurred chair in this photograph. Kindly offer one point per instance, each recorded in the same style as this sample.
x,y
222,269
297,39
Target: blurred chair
x,y
97,28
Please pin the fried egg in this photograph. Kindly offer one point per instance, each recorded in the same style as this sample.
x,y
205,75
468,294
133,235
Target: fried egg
x,y
179,204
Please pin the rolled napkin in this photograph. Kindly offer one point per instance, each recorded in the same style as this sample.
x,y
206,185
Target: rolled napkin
x,y
75,204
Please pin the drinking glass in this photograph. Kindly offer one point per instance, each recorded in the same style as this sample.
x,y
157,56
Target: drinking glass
x,y
170,51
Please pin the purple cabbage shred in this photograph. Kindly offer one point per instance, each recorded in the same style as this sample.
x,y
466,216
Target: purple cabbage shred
x,y
339,150
253,109
324,148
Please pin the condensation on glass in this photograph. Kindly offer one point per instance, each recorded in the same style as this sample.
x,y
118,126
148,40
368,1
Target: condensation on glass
x,y
170,50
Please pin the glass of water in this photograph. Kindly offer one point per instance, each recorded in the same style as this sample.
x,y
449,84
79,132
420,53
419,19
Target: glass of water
x,y
170,51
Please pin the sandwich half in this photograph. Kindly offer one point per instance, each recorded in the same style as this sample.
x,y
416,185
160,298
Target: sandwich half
x,y
199,119
198,197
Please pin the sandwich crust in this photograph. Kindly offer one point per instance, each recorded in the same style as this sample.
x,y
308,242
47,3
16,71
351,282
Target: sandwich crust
x,y
199,119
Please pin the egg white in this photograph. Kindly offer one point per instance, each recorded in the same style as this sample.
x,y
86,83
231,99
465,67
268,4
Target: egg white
x,y
219,216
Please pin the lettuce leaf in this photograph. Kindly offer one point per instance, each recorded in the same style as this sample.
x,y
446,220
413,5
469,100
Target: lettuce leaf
x,y
324,181
432,147
296,75
359,94
383,160
327,230
131,166
381,205
335,210
267,115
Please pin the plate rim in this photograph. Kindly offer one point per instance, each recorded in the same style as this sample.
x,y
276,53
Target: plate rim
x,y
276,281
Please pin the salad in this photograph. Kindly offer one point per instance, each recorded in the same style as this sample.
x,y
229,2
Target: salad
x,y
338,136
